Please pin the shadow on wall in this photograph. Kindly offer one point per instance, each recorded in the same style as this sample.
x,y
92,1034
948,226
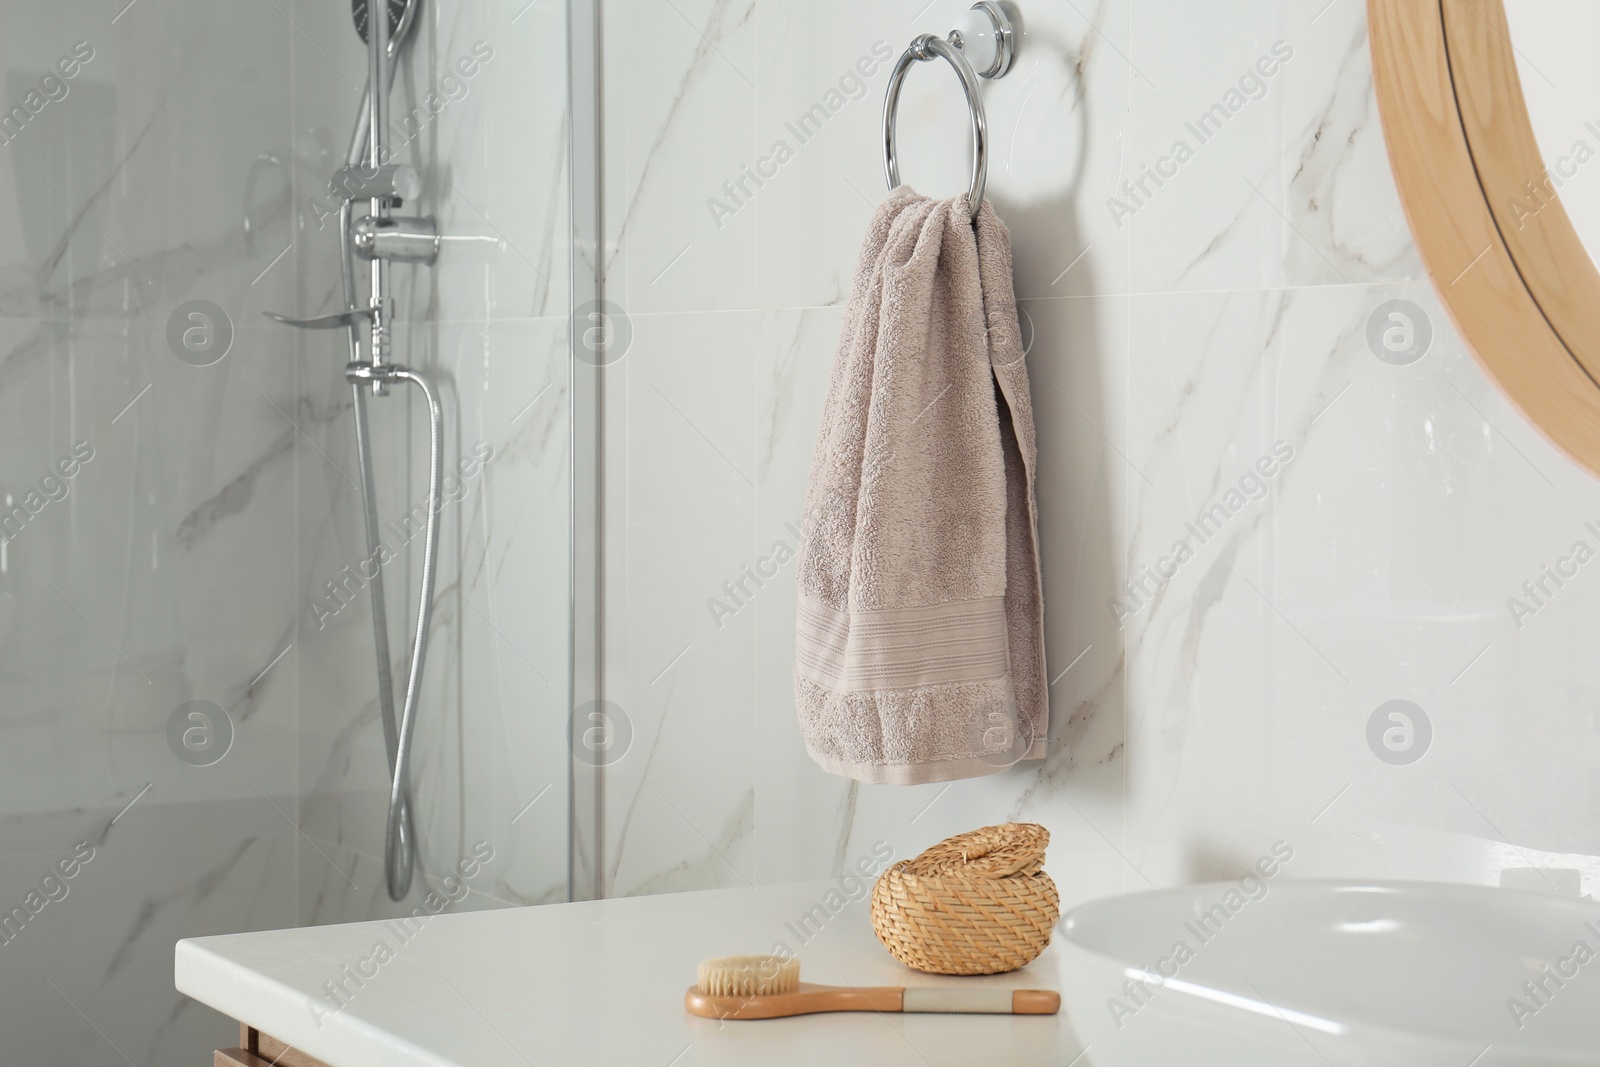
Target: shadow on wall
x,y
1065,340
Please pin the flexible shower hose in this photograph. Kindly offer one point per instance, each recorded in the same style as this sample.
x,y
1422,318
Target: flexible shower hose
x,y
399,852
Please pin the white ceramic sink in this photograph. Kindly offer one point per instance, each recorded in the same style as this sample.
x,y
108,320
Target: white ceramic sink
x,y
1285,973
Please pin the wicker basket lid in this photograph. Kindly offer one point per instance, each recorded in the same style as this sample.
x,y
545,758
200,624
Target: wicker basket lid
x,y
976,903
993,851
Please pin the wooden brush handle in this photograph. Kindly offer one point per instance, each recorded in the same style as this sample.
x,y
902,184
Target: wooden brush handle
x,y
810,999
1035,1002
806,1000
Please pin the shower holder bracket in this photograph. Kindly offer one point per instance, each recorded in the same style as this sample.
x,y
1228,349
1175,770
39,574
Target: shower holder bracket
x,y
392,183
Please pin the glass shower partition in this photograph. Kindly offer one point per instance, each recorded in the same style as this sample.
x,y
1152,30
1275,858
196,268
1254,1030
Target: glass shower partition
x,y
189,739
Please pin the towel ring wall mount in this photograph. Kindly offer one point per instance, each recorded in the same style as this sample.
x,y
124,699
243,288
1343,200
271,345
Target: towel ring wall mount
x,y
985,39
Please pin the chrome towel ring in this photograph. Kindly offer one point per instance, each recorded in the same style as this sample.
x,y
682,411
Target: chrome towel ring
x,y
986,34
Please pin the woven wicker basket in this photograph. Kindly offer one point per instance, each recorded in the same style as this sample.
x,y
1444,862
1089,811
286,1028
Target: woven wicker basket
x,y
977,903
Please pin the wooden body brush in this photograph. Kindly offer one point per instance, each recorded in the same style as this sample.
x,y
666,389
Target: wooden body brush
x,y
769,987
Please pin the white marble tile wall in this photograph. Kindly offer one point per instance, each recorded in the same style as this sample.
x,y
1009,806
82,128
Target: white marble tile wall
x,y
1180,332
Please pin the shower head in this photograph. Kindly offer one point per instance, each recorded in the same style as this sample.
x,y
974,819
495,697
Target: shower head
x,y
402,19
402,14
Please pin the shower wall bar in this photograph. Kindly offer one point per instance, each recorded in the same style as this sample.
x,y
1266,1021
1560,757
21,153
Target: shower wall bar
x,y
369,175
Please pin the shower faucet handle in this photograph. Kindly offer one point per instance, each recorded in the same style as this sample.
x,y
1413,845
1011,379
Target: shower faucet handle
x,y
350,317
403,240
392,181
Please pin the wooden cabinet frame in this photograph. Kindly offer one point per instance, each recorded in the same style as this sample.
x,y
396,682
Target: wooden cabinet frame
x,y
261,1050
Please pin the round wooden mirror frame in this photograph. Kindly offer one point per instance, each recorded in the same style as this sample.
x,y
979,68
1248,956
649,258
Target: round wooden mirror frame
x,y
1500,248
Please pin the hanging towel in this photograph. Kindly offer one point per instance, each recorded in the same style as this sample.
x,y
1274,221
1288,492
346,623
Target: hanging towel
x,y
919,646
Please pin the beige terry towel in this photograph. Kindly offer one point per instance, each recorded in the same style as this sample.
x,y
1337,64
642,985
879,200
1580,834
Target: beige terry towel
x,y
919,650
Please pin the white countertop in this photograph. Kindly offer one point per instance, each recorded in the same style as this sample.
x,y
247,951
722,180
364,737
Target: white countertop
x,y
598,982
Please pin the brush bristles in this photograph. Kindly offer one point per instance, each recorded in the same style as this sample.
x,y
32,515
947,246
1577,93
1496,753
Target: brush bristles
x,y
749,976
